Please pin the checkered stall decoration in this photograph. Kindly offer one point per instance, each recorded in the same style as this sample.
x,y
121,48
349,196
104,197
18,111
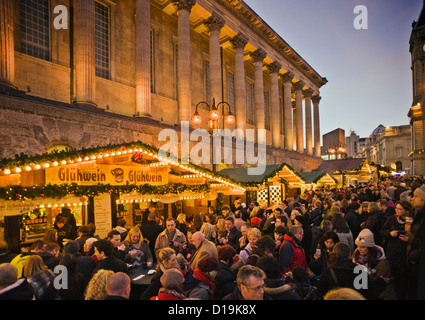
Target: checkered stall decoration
x,y
275,194
263,195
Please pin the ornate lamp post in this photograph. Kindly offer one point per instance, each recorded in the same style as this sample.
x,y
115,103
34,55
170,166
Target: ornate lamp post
x,y
214,114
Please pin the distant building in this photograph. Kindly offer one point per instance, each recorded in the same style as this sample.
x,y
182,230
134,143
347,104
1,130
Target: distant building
x,y
334,145
416,111
389,146
352,143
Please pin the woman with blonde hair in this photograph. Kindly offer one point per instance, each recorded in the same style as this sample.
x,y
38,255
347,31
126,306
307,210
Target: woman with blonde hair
x,y
96,289
137,249
209,231
38,275
167,259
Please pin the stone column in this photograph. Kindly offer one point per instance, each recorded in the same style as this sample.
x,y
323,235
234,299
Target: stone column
x,y
7,47
294,126
215,23
258,57
143,60
84,52
298,87
184,59
274,102
239,42
316,120
308,121
287,109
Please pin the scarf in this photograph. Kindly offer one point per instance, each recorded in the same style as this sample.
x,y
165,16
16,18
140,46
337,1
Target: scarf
x,y
175,293
198,274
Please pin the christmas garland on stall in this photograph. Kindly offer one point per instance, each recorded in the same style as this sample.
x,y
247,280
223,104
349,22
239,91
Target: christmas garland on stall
x,y
59,191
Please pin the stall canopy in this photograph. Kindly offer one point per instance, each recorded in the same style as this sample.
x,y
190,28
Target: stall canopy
x,y
135,171
348,171
277,180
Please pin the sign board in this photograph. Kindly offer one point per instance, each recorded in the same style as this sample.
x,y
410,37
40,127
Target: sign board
x,y
102,214
93,174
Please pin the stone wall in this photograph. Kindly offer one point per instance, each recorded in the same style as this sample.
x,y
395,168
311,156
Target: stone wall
x,y
32,126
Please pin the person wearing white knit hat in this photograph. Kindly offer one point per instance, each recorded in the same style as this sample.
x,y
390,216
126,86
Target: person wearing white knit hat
x,y
371,255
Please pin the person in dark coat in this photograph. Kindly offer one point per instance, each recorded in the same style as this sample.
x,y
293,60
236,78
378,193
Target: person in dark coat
x,y
104,252
150,231
225,280
69,218
353,219
65,231
276,288
86,264
12,288
340,272
394,234
374,221
232,233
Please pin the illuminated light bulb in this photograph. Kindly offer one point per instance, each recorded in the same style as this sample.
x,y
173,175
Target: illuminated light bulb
x,y
46,165
55,164
230,118
28,168
6,171
214,114
196,118
37,166
79,159
63,162
18,170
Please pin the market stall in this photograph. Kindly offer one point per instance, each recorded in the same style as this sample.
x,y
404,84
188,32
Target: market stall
x,y
278,182
349,171
101,185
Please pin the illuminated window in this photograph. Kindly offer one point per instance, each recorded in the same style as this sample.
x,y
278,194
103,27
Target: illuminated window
x,y
250,111
102,40
34,28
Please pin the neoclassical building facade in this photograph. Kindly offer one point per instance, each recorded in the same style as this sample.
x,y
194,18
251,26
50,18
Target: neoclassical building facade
x,y
83,73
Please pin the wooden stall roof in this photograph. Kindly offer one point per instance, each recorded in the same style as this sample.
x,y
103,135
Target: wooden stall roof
x,y
283,171
318,176
24,173
344,165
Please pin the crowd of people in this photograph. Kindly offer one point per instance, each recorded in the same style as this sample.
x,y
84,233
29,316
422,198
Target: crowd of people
x,y
307,247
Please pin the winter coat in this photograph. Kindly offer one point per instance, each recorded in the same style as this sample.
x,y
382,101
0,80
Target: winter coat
x,y
197,285
225,281
339,275
277,289
162,241
374,221
353,221
206,249
19,290
291,254
395,248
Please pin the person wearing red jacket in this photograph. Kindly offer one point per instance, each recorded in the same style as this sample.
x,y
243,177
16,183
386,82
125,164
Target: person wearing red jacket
x,y
291,253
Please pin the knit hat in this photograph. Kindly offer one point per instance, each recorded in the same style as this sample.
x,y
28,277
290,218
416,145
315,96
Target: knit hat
x,y
420,192
71,247
208,264
172,278
365,239
255,221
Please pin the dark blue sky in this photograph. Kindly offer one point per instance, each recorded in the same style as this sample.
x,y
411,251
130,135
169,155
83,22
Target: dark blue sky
x,y
370,80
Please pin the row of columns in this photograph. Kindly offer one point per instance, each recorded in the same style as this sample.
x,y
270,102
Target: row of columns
x,y
84,73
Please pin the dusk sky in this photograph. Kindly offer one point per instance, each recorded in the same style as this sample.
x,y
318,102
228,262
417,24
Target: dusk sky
x,y
370,80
